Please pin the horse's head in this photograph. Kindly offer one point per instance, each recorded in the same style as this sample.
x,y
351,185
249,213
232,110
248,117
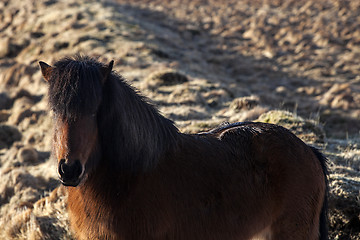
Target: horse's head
x,y
75,93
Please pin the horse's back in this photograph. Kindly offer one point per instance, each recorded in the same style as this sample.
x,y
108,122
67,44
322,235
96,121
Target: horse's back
x,y
284,172
275,153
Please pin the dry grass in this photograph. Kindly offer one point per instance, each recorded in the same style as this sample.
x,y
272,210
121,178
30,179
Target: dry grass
x,y
45,219
202,63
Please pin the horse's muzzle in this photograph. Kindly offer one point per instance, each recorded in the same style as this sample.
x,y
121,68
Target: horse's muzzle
x,y
70,174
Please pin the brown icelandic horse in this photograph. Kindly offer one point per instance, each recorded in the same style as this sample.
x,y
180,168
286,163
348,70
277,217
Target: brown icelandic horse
x,y
132,175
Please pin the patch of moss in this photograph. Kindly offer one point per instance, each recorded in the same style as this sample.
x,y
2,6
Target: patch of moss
x,y
306,129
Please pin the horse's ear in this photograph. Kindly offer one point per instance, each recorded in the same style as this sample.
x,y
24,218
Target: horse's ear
x,y
105,71
45,70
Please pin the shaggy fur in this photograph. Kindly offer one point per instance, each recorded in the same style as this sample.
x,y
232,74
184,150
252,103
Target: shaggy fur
x,y
74,89
149,181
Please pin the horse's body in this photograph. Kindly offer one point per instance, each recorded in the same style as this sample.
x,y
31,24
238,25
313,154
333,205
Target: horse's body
x,y
134,176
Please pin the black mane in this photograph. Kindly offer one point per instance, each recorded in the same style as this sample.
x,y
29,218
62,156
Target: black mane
x,y
133,135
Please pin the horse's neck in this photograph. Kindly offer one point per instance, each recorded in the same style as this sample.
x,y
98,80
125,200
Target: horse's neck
x,y
142,122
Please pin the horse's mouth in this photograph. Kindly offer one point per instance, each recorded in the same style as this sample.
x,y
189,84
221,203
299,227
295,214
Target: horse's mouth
x,y
73,183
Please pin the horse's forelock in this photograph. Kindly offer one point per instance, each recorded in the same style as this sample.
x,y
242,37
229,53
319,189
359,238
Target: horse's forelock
x,y
75,87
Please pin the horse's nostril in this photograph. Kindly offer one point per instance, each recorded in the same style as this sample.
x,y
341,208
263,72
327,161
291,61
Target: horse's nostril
x,y
77,168
61,167
69,172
